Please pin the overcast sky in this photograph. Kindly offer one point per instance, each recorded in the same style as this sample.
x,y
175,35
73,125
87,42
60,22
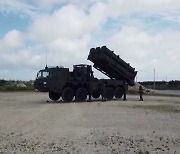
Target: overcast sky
x,y
145,33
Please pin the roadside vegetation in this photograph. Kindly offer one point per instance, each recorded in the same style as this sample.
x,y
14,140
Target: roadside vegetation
x,y
12,85
162,85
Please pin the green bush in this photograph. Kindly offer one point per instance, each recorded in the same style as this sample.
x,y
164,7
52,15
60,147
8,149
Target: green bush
x,y
11,85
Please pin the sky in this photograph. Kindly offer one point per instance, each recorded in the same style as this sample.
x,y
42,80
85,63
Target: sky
x,y
144,33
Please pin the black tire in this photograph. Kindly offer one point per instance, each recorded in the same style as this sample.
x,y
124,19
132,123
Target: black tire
x,y
81,94
95,94
68,94
54,96
118,92
109,93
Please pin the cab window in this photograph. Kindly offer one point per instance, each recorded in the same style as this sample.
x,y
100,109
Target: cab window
x,y
42,74
45,74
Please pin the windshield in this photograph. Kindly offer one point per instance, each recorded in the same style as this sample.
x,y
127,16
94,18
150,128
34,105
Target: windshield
x,y
42,74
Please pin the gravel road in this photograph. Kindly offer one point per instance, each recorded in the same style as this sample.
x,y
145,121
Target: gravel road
x,y
31,123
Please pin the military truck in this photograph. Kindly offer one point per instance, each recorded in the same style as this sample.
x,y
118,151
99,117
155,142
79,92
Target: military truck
x,y
80,83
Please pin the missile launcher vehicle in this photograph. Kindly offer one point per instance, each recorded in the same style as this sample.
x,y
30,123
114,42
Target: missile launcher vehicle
x,y
76,85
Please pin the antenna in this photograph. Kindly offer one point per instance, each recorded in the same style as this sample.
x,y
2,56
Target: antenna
x,y
46,58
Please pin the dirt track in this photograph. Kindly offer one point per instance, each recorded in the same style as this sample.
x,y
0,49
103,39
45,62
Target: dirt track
x,y
31,124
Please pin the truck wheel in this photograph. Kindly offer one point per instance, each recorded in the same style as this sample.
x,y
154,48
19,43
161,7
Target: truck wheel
x,y
118,92
95,94
68,94
54,96
109,93
81,94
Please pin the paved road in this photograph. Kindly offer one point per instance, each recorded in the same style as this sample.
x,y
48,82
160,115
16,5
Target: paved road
x,y
168,92
30,123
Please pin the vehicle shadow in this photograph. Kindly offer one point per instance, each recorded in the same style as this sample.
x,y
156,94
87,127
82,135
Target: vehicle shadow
x,y
48,101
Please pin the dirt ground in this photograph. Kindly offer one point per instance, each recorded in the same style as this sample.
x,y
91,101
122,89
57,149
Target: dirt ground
x,y
31,123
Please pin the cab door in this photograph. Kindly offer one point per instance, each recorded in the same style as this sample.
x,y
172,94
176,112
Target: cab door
x,y
58,79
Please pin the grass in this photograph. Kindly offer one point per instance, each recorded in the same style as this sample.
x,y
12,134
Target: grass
x,y
159,108
14,89
133,92
166,95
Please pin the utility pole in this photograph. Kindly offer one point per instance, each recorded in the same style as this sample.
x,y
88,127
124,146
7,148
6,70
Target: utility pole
x,y
154,79
46,57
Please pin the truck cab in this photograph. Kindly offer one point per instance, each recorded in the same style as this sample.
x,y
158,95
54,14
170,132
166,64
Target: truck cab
x,y
51,79
41,80
59,81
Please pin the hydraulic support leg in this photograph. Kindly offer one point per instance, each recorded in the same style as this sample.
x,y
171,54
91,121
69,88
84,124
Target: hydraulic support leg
x,y
124,89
